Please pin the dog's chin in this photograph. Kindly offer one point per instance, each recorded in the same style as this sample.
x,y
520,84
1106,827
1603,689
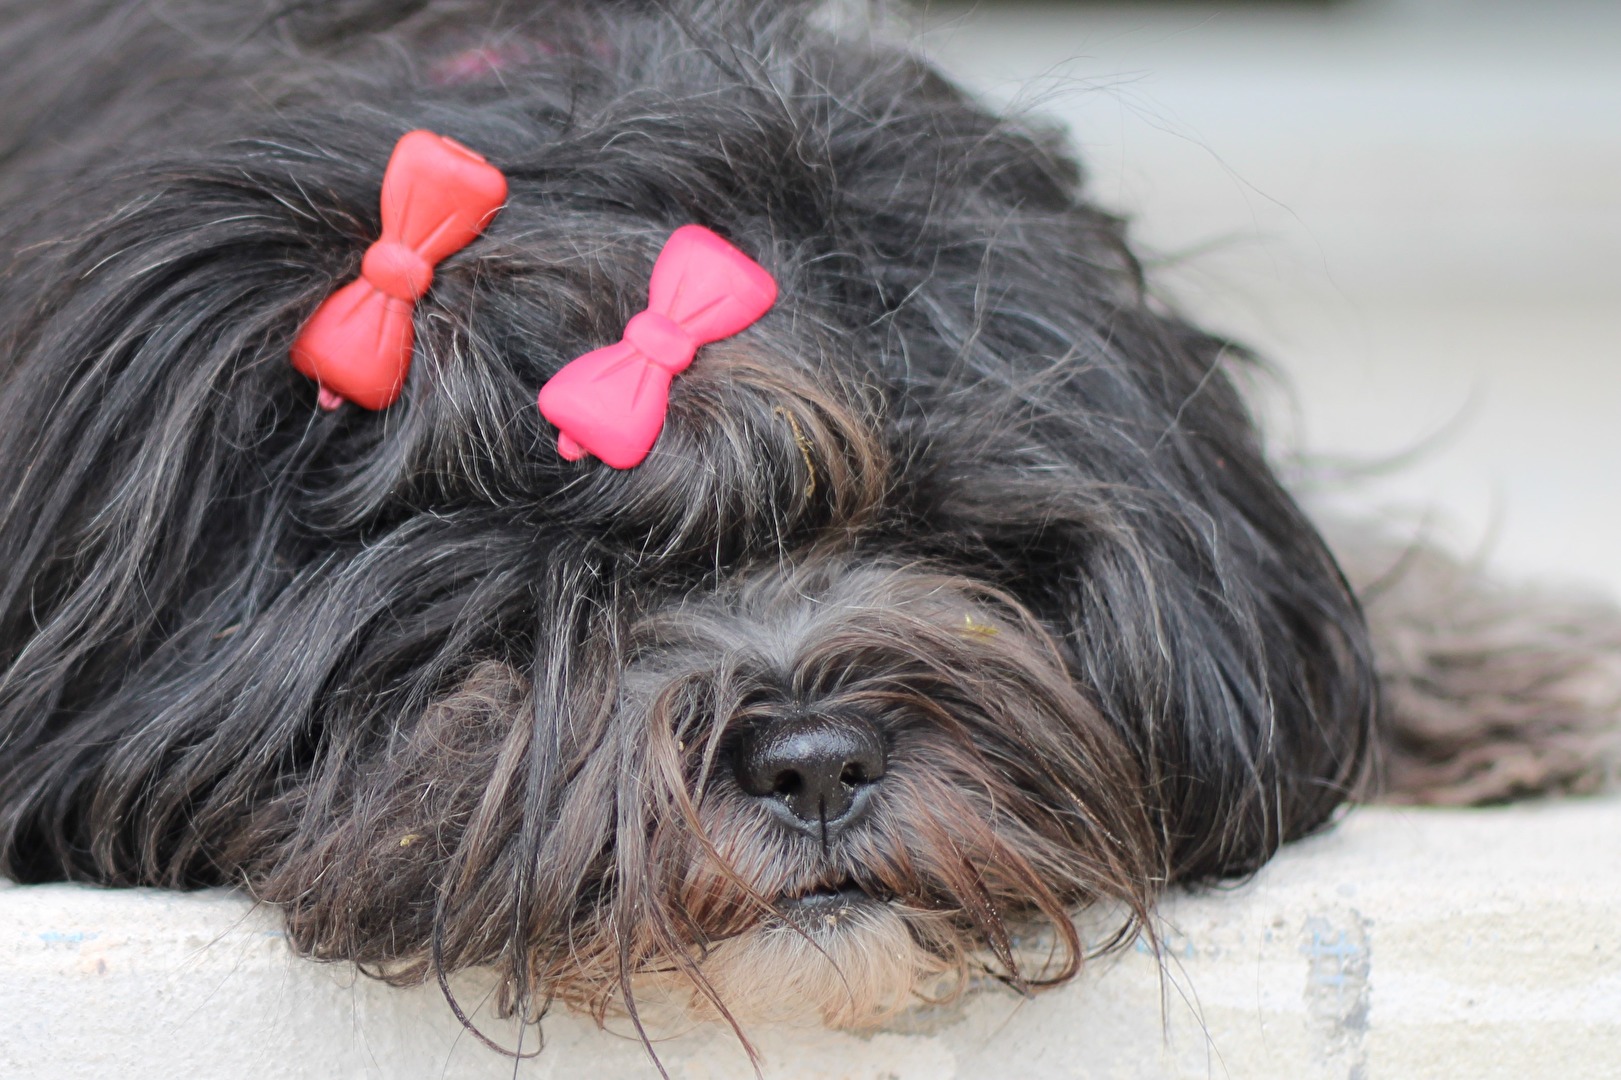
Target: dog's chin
x,y
837,956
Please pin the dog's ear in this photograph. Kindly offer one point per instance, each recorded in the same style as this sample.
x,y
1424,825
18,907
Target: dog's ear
x,y
183,626
1119,490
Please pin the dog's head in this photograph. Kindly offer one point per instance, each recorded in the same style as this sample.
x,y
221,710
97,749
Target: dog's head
x,y
955,595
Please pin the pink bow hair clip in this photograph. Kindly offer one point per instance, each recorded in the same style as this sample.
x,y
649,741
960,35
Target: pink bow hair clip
x,y
438,196
611,402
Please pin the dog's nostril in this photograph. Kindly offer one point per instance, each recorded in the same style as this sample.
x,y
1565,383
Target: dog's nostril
x,y
819,768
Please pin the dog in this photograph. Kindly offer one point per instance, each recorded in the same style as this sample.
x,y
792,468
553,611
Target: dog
x,y
955,595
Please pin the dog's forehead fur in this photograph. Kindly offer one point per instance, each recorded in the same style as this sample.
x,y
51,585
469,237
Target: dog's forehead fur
x,y
452,700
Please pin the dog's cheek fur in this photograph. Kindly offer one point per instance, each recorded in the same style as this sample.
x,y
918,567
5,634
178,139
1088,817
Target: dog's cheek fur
x,y
366,861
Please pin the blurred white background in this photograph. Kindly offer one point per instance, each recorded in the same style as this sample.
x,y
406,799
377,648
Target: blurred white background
x,y
1412,207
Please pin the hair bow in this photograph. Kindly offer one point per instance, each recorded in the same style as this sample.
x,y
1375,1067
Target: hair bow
x,y
611,402
437,198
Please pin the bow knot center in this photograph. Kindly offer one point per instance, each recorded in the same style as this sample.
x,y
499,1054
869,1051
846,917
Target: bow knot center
x,y
397,270
662,340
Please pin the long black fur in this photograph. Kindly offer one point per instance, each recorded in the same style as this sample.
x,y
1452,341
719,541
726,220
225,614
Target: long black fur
x,y
451,700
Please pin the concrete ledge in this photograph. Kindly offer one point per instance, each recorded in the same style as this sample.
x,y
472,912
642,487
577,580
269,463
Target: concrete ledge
x,y
1403,944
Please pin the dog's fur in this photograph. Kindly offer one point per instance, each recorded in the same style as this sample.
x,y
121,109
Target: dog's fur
x,y
449,700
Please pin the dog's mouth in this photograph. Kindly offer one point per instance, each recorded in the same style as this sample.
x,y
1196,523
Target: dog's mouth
x,y
826,905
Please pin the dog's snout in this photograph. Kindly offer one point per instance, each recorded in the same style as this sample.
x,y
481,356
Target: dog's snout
x,y
820,768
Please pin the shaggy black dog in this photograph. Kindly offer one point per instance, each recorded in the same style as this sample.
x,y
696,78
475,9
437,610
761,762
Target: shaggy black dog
x,y
955,595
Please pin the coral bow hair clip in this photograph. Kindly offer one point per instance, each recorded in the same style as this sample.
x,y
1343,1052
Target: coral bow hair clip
x,y
437,198
611,402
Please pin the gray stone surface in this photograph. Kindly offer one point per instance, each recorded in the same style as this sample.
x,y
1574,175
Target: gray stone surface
x,y
1405,943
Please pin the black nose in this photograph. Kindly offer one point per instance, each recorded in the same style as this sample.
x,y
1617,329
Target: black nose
x,y
820,769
